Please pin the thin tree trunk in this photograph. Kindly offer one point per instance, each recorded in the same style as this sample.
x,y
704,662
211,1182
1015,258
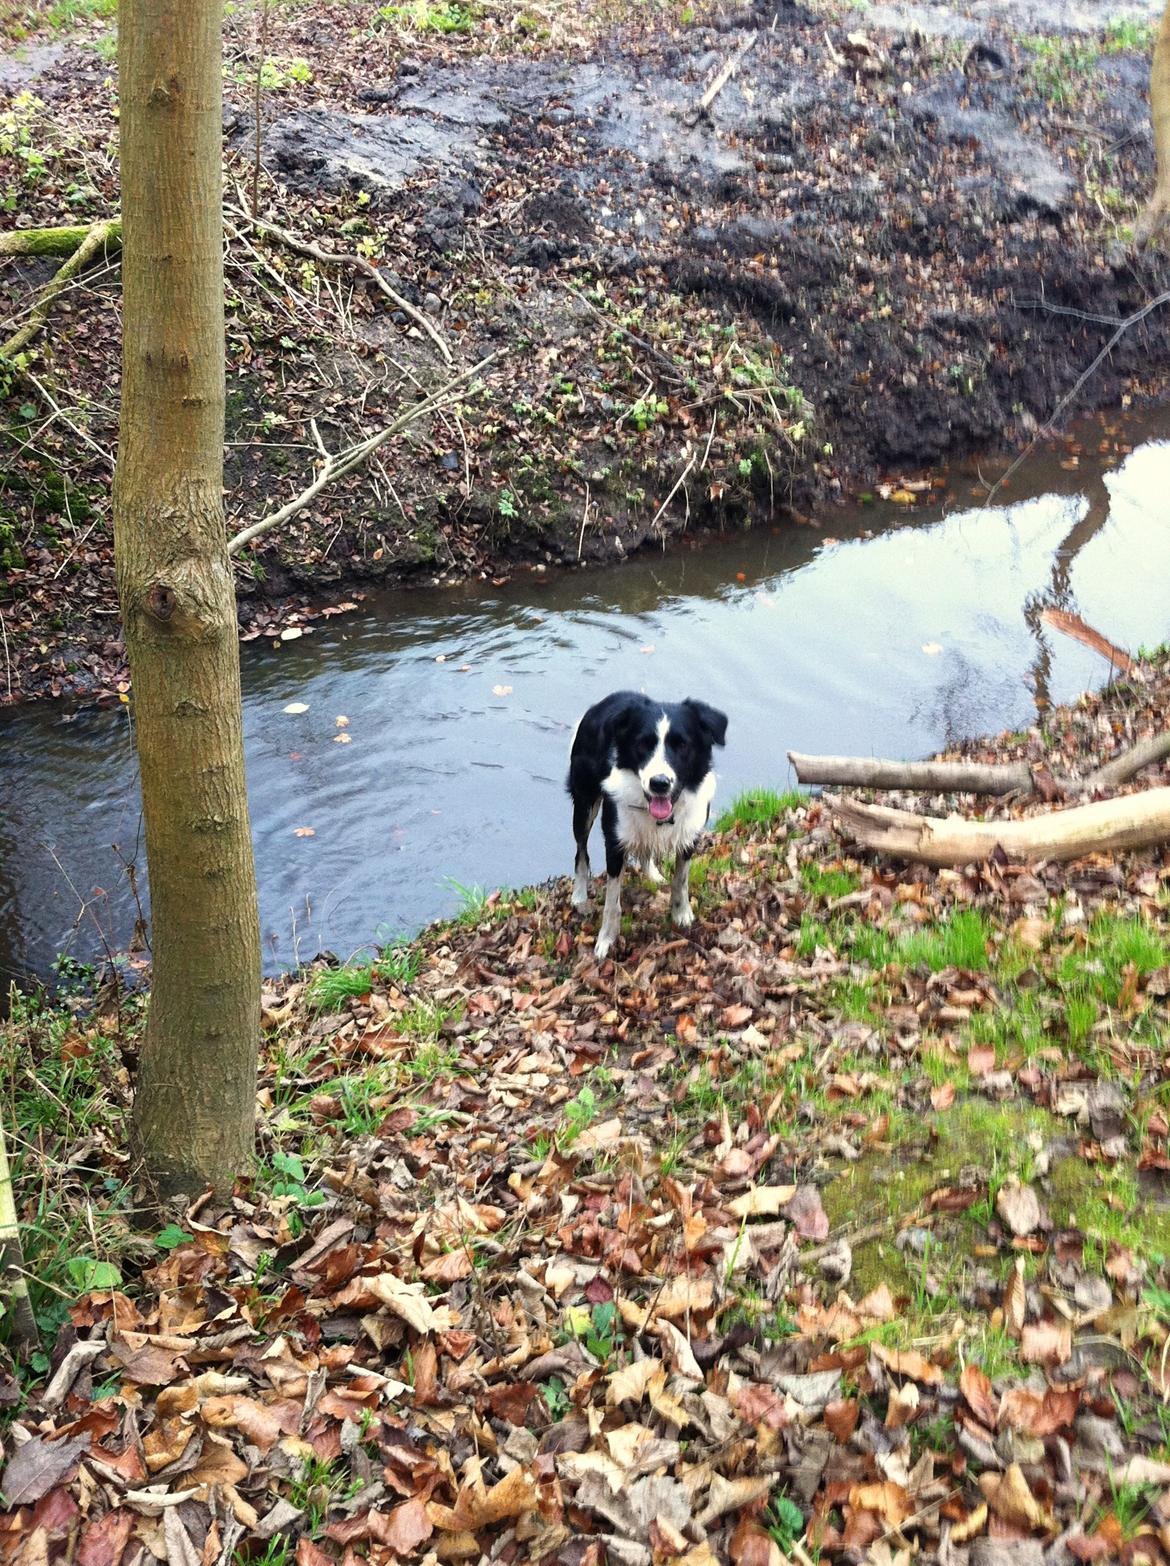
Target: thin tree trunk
x,y
1152,222
194,1107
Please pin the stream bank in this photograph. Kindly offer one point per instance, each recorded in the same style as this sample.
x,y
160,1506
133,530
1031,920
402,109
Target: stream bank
x,y
837,1224
892,240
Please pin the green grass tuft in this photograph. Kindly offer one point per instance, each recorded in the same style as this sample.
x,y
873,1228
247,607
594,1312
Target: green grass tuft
x,y
759,807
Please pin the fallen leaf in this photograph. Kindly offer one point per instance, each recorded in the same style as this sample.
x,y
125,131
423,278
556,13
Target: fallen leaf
x,y
304,831
762,1201
975,1385
1010,1498
501,690
37,1465
1019,1207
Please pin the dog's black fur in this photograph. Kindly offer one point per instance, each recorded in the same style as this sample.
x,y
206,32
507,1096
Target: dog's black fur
x,y
647,766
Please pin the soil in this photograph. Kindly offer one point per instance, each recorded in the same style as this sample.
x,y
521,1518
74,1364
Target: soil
x,y
896,237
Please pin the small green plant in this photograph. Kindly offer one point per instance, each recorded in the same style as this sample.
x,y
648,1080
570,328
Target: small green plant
x,y
784,1521
556,1398
64,14
286,1176
426,16
17,142
332,987
759,807
579,1114
647,411
473,901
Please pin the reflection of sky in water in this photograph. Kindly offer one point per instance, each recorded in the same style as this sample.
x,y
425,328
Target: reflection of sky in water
x,y
892,644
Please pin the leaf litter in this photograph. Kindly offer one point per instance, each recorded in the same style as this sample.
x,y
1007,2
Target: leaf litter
x,y
686,1258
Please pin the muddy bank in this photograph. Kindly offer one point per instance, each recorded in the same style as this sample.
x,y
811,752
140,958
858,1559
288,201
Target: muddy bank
x,y
893,238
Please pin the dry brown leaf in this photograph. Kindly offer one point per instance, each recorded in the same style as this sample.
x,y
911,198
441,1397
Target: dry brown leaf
x,y
762,1201
629,1383
971,1525
683,1293
908,1362
729,1495
1046,1342
975,1385
408,1301
1010,1498
889,1500
476,1507
1019,1207
1015,1300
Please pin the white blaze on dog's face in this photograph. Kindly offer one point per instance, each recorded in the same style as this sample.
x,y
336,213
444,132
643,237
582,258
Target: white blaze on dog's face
x,y
656,772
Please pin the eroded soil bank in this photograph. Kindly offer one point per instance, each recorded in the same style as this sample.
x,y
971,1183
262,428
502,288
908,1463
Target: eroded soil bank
x,y
894,236
833,1227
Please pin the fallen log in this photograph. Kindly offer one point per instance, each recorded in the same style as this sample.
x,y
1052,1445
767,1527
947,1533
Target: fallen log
x,y
939,777
95,238
971,777
53,241
1129,763
1133,821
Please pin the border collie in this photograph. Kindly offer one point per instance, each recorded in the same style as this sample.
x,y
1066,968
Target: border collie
x,y
646,766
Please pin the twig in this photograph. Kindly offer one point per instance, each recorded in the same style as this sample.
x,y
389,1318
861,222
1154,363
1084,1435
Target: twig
x,y
584,523
360,264
673,491
262,51
663,359
7,659
345,461
24,1322
65,273
1131,320
83,435
725,75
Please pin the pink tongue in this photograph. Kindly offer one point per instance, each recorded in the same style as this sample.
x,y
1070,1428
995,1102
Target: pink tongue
x,y
660,808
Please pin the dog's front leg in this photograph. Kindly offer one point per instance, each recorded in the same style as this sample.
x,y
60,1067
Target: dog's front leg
x,y
615,864
680,893
583,818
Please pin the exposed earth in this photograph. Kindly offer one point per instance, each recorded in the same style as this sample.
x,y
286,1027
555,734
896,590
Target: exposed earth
x,y
895,236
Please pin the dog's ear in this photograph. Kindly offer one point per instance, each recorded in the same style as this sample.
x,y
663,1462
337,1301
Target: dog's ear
x,y
711,721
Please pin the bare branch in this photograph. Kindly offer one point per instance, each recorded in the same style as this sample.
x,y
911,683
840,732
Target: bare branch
x,y
94,241
359,264
342,462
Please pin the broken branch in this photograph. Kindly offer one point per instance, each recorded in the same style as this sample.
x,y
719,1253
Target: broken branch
x,y
54,241
342,462
94,240
358,263
1133,821
939,777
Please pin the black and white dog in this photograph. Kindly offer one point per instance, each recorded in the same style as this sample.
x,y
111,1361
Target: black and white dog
x,y
646,765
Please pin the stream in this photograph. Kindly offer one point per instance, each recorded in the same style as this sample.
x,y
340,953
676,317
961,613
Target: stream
x,y
431,749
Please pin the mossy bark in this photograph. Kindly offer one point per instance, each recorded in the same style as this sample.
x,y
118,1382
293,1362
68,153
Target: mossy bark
x,y
53,241
194,1106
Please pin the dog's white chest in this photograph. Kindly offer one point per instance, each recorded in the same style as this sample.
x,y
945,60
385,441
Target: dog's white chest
x,y
650,840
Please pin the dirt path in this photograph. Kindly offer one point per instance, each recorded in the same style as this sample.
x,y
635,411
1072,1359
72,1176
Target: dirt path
x,y
895,236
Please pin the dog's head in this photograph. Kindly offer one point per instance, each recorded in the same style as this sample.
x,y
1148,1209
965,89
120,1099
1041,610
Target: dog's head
x,y
667,746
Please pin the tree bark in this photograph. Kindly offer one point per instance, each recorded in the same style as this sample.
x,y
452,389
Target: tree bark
x,y
1152,223
194,1108
1134,821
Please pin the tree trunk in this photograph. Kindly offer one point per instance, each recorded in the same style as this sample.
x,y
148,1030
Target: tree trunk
x,y
1153,221
194,1108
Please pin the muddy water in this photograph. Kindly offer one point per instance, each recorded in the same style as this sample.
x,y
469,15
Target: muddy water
x,y
433,744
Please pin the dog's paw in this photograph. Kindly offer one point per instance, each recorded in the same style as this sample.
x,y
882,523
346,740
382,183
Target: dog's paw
x,y
682,915
602,946
653,874
580,894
